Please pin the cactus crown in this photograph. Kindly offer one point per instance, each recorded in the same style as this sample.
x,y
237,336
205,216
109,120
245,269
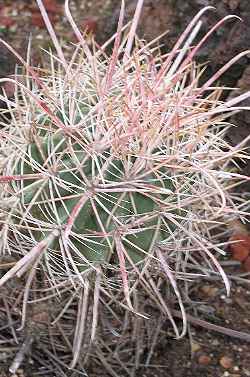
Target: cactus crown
x,y
117,169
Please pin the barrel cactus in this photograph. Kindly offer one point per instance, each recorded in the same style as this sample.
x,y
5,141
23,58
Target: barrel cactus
x,y
116,175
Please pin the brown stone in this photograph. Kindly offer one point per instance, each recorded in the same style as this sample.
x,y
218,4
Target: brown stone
x,y
246,264
226,362
204,360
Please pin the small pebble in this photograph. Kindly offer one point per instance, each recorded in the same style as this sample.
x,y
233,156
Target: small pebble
x,y
195,347
215,342
226,362
204,360
209,290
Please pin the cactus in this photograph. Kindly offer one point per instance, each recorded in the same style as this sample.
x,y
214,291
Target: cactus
x,y
115,172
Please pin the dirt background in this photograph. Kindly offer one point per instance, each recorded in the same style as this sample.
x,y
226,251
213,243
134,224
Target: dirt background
x,y
201,353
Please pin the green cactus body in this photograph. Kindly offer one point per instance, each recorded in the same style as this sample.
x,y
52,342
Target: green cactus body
x,y
53,199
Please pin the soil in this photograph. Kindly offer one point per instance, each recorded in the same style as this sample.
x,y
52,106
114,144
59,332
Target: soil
x,y
201,353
